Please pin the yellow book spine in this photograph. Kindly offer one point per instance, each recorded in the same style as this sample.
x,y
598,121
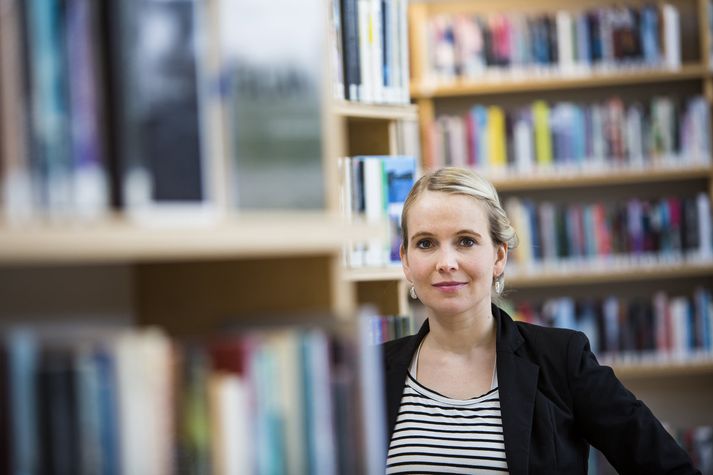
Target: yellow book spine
x,y
543,139
496,137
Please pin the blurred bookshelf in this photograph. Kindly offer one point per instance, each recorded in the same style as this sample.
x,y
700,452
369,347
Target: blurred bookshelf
x,y
137,184
582,115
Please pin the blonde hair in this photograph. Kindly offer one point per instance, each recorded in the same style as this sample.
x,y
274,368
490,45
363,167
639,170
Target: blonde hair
x,y
461,181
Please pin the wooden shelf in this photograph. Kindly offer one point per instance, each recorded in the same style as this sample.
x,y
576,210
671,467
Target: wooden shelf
x,y
357,110
604,274
604,177
553,82
372,274
693,368
248,236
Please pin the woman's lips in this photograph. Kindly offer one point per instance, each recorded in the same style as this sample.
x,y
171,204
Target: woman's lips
x,y
449,286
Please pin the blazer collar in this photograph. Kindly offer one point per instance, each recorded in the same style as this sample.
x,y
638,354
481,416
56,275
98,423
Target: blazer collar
x,y
517,383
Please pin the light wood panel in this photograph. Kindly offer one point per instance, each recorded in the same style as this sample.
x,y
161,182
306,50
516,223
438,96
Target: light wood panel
x,y
190,297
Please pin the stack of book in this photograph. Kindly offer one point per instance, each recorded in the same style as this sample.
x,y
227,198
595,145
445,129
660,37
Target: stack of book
x,y
171,105
577,235
270,400
522,45
370,51
375,188
655,330
566,136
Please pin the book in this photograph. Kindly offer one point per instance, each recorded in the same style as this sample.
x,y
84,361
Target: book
x,y
272,61
16,184
159,136
90,181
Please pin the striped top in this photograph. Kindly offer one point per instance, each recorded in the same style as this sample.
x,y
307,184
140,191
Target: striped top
x,y
437,434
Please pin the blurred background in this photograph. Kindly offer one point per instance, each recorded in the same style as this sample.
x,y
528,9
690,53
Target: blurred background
x,y
172,171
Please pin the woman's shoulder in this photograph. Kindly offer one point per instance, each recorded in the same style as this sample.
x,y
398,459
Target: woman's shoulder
x,y
550,340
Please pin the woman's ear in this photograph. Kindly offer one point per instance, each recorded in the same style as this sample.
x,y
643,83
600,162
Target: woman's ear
x,y
501,258
404,262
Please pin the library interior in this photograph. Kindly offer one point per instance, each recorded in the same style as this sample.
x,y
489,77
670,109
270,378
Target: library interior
x,y
209,291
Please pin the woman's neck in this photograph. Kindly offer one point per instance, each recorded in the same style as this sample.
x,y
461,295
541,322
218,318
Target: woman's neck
x,y
463,333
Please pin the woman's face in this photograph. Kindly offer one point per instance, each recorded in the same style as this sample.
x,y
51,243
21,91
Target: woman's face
x,y
451,259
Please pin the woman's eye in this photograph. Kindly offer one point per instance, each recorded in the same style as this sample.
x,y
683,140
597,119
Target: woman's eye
x,y
467,242
423,244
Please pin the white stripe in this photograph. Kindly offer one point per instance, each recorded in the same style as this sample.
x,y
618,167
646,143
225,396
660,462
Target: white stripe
x,y
455,439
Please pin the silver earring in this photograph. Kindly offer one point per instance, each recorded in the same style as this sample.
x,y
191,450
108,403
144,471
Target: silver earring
x,y
499,284
412,292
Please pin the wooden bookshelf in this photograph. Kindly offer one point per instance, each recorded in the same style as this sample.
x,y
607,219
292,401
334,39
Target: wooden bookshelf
x,y
602,273
545,180
358,110
555,81
250,236
694,368
375,274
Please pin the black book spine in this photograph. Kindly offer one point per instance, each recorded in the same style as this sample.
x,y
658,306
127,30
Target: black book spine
x,y
350,49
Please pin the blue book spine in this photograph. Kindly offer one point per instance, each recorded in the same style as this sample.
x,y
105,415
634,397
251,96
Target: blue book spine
x,y
22,349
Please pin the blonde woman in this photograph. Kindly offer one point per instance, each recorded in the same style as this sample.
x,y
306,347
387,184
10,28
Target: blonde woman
x,y
475,392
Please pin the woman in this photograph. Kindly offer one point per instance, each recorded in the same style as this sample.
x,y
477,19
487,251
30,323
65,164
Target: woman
x,y
475,392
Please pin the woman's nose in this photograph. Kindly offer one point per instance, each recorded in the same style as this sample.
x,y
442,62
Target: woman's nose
x,y
447,261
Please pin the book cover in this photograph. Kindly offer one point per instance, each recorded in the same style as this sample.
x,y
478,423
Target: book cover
x,y
48,104
58,419
274,68
90,185
350,49
16,183
159,136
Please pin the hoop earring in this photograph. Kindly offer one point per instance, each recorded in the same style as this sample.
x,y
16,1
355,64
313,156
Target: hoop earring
x,y
412,292
499,284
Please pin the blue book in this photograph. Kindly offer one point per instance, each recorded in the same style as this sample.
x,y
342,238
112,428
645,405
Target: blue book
x,y
22,355
108,411
48,108
649,31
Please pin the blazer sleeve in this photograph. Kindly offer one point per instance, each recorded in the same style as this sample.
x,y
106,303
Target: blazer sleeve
x,y
615,422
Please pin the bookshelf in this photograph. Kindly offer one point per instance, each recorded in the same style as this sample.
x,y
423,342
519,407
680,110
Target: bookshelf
x,y
452,74
367,129
192,274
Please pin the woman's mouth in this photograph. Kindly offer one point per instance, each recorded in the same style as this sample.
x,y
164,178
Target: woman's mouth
x,y
450,286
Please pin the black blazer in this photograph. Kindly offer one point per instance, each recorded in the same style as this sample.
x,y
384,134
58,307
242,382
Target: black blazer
x,y
555,400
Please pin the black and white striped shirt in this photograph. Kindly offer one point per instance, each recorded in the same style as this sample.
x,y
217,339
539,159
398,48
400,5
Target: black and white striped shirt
x,y
437,434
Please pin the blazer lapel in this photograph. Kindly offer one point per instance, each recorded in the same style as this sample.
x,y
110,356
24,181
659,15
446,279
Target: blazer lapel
x,y
397,362
517,383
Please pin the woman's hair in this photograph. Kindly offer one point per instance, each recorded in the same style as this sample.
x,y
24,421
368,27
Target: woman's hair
x,y
461,181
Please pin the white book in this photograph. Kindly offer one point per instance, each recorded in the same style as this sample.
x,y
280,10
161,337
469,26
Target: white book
x,y
143,374
679,324
374,208
403,33
230,422
671,36
321,424
565,47
524,145
365,62
376,45
458,140
634,136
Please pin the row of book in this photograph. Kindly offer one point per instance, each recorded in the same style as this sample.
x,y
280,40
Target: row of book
x,y
370,50
658,329
477,46
138,105
279,400
669,228
697,441
374,188
571,136
389,327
